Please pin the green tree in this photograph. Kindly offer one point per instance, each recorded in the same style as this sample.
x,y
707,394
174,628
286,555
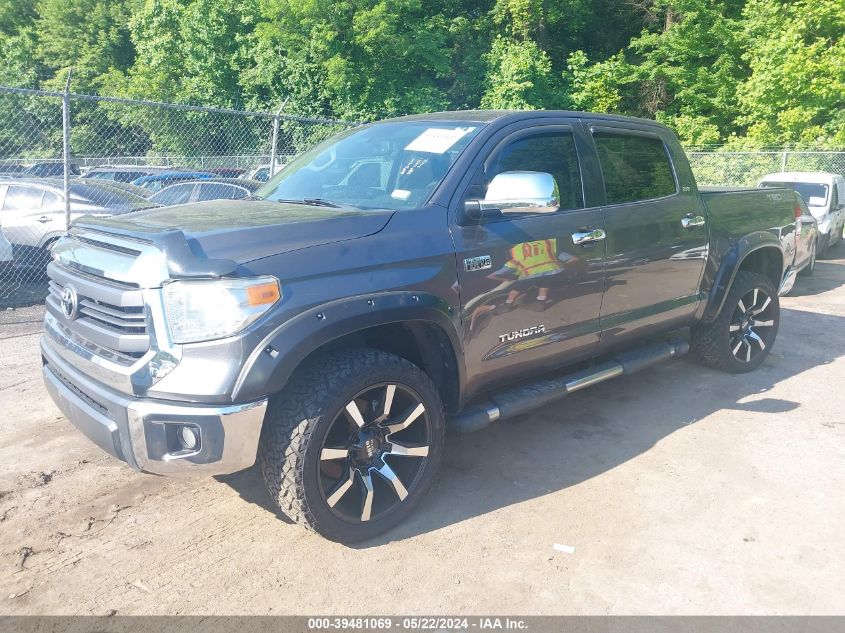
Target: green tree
x,y
363,59
189,52
795,94
683,69
92,36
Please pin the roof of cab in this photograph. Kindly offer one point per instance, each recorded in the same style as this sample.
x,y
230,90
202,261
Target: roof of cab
x,y
507,116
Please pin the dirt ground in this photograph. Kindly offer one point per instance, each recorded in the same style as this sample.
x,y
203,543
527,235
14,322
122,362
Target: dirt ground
x,y
682,491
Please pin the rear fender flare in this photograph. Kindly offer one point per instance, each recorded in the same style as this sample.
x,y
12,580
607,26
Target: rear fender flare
x,y
272,362
730,266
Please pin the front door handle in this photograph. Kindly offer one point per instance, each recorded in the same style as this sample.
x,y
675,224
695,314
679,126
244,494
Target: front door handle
x,y
690,221
587,237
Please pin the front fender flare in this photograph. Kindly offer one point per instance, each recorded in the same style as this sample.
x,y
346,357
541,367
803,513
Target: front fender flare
x,y
272,362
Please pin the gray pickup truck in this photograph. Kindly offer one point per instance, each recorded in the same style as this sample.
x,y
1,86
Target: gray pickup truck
x,y
427,272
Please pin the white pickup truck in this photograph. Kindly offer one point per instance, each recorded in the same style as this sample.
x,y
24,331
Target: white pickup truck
x,y
825,197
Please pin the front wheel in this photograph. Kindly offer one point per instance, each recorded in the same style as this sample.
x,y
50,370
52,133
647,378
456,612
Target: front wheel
x,y
352,443
742,335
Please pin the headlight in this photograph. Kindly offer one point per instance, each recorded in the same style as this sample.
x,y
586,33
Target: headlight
x,y
205,310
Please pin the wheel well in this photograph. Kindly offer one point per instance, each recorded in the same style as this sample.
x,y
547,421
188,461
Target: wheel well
x,y
422,343
766,261
49,242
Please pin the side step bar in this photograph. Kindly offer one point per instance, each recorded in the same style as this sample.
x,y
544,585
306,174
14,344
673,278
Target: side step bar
x,y
514,402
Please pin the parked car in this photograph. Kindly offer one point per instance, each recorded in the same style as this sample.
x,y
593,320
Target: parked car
x,y
7,257
262,172
11,169
199,190
825,196
125,186
124,173
49,170
437,262
157,182
32,211
227,172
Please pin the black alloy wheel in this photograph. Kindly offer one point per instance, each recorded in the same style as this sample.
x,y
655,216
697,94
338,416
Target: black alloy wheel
x,y
353,442
741,336
752,325
374,452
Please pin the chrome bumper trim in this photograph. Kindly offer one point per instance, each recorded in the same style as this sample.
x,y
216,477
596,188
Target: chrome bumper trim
x,y
135,429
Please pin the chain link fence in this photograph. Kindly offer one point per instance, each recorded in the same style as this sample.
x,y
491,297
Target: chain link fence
x,y
745,169
64,155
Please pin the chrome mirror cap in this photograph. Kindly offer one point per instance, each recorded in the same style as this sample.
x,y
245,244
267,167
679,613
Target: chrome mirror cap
x,y
522,192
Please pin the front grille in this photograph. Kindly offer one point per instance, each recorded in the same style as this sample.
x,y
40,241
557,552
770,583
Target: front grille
x,y
112,319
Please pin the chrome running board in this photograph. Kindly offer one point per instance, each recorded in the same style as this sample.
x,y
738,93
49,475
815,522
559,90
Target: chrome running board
x,y
519,400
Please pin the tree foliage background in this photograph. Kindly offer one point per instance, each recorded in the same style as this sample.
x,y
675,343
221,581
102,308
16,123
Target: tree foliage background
x,y
739,73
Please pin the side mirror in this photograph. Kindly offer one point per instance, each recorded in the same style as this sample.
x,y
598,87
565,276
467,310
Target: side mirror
x,y
518,192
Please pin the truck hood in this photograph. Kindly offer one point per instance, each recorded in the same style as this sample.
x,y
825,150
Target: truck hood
x,y
241,231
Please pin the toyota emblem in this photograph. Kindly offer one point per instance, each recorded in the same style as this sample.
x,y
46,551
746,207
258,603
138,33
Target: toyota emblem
x,y
70,303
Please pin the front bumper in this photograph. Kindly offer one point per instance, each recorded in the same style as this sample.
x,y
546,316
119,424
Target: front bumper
x,y
143,432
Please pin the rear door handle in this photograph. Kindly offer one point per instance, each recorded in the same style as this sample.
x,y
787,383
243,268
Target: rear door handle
x,y
590,236
44,219
690,221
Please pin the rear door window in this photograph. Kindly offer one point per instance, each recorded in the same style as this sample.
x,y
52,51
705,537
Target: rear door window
x,y
220,191
51,200
635,167
20,198
127,176
176,194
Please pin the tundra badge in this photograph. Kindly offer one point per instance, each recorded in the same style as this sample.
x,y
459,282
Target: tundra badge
x,y
518,334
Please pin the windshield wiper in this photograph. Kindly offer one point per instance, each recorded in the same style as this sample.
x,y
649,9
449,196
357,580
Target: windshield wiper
x,y
314,202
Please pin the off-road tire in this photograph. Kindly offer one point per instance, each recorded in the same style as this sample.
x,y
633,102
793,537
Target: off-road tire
x,y
299,417
710,341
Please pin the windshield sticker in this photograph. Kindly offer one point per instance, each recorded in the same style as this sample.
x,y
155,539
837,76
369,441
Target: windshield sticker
x,y
437,140
400,194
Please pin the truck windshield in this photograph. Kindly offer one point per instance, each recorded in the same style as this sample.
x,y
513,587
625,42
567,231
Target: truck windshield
x,y
395,165
813,193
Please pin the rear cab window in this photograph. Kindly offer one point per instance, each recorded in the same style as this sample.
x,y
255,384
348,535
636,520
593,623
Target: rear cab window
x,y
635,166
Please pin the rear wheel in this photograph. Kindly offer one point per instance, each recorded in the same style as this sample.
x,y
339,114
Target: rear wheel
x,y
741,337
352,444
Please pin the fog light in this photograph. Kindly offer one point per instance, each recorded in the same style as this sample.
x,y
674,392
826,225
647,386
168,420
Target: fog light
x,y
189,437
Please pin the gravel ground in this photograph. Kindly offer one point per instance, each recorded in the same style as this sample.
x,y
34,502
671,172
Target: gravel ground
x,y
681,490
